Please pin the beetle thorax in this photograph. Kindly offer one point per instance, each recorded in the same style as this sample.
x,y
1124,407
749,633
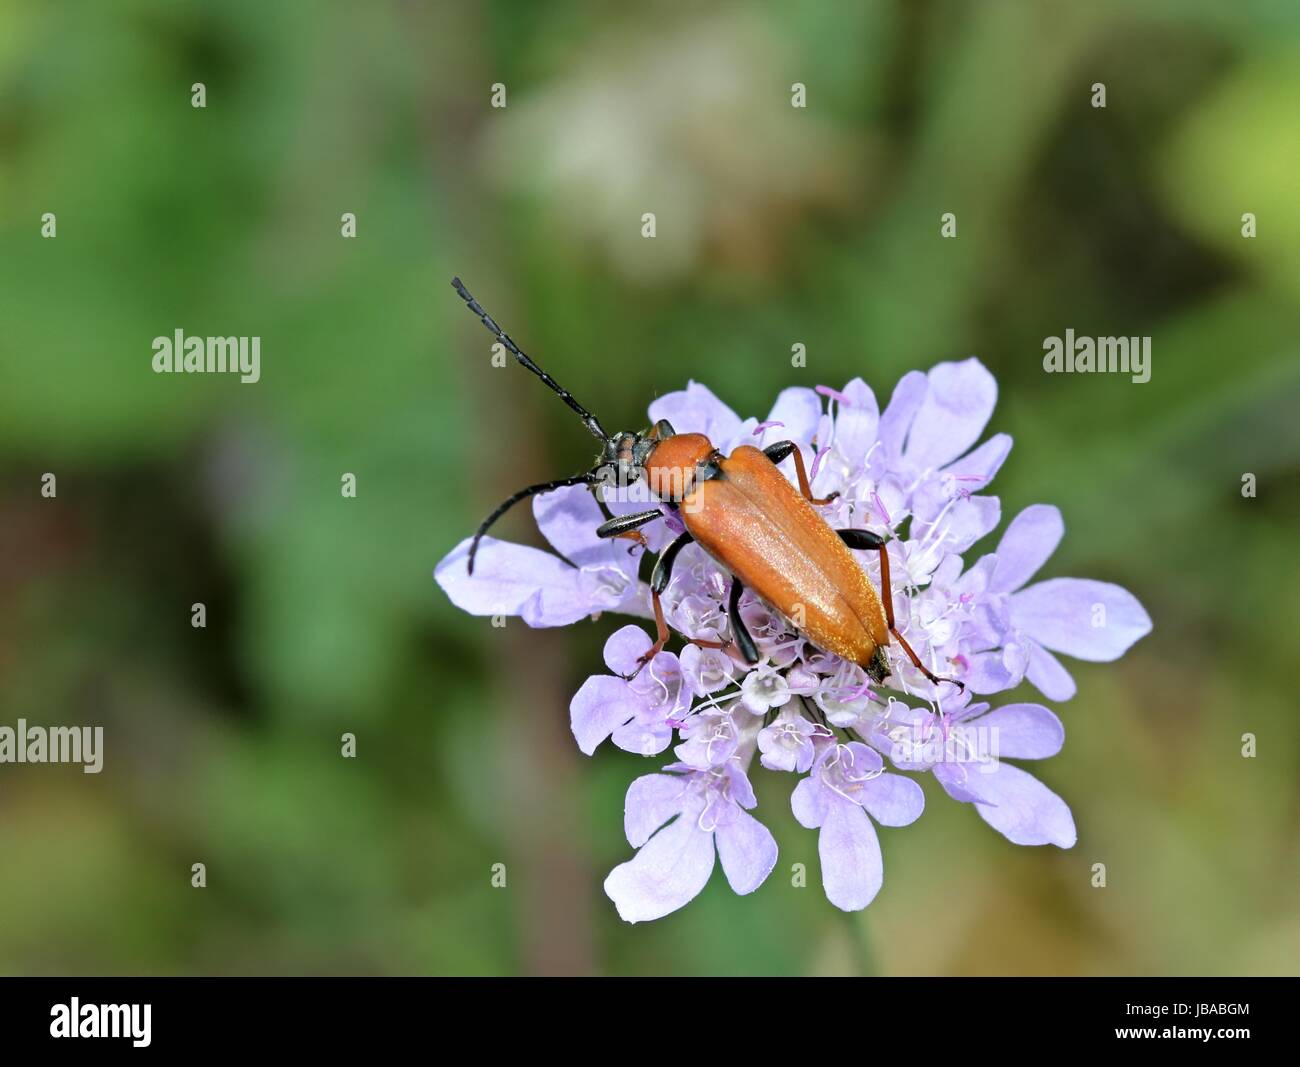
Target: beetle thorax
x,y
671,468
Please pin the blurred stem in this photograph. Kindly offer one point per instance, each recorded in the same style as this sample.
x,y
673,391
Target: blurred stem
x,y
864,957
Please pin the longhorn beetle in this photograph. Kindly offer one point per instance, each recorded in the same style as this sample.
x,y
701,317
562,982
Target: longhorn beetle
x,y
741,510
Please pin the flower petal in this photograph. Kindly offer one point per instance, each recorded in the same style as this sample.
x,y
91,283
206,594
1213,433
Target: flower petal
x,y
798,409
625,647
601,705
747,850
954,413
643,736
568,519
651,801
956,779
808,802
695,409
1023,731
742,793
1029,540
893,800
963,521
856,422
511,579
706,670
1048,674
904,403
709,740
852,870
1088,620
977,468
669,872
1022,809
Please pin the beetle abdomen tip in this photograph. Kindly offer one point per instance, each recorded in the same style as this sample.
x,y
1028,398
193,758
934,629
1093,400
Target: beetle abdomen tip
x,y
878,668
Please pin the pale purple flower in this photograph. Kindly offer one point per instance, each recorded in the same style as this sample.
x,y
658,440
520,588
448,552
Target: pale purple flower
x,y
916,473
965,748
763,689
707,809
541,588
788,744
637,714
707,669
848,782
844,694
710,738
1085,619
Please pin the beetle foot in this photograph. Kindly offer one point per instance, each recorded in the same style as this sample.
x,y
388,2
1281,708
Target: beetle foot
x,y
937,678
650,654
636,537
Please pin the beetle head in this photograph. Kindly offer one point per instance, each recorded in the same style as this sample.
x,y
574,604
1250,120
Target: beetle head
x,y
622,461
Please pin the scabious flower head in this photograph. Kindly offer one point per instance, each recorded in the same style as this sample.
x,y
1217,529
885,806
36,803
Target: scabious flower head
x,y
914,473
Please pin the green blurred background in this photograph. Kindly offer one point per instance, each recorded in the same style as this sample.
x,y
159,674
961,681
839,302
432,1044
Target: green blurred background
x,y
775,226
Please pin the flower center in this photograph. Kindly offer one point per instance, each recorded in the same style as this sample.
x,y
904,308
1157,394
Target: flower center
x,y
845,773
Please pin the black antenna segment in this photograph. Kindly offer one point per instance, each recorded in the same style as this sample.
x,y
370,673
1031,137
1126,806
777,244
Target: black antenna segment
x,y
588,419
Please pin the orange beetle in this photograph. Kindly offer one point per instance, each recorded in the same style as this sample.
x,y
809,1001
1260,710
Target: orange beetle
x,y
742,511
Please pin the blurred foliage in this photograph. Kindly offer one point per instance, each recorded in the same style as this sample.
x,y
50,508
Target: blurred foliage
x,y
775,226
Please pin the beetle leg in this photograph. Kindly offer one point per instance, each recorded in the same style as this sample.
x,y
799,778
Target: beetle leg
x,y
663,572
625,526
635,536
659,579
865,539
661,637
862,539
598,493
778,452
608,515
631,535
743,641
622,525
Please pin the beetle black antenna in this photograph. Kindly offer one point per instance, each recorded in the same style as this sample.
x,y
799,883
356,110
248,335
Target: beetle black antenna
x,y
507,504
588,419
